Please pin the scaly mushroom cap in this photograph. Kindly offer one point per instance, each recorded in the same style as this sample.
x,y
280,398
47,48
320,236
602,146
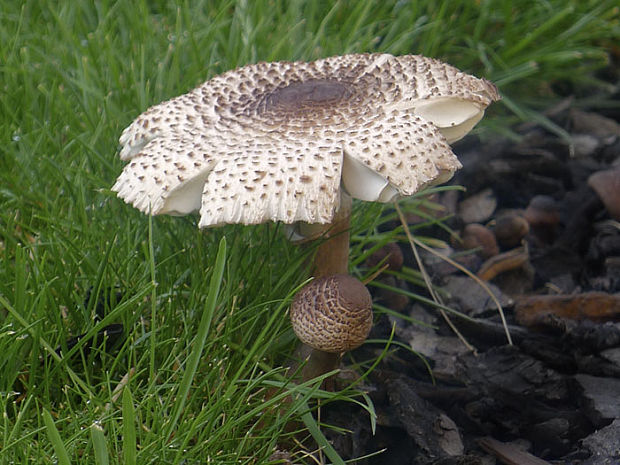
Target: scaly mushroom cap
x,y
276,141
332,314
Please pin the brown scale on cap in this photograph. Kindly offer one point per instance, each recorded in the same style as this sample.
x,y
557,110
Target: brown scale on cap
x,y
332,314
373,125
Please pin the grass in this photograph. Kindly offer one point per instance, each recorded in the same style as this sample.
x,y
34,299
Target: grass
x,y
197,377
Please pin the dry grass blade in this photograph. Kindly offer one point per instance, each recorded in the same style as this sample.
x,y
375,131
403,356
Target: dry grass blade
x,y
118,390
413,242
427,279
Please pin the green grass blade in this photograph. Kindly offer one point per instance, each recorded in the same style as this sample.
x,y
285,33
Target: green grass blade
x,y
321,440
99,444
532,36
201,335
129,428
50,350
54,437
153,297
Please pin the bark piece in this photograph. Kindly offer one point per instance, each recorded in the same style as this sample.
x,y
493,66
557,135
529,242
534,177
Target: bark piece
x,y
612,355
599,306
478,207
601,398
507,261
585,122
472,298
510,453
432,430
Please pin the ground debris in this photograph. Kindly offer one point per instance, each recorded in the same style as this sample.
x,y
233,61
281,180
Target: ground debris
x,y
472,298
510,453
554,263
418,417
601,398
604,445
535,310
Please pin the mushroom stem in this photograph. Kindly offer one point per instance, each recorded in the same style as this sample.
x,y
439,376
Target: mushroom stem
x,y
332,256
318,363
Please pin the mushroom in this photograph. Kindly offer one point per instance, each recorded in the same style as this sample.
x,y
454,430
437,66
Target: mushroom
x,y
331,315
606,184
294,141
477,236
543,216
511,228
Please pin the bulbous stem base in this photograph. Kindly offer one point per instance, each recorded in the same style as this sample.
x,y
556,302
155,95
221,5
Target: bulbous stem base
x,y
331,257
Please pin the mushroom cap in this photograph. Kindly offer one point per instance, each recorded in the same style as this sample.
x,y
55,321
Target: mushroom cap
x,y
606,184
277,141
332,313
478,236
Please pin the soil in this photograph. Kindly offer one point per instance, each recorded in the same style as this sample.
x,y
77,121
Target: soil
x,y
539,226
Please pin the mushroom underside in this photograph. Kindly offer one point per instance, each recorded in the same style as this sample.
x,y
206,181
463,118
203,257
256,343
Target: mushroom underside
x,y
357,180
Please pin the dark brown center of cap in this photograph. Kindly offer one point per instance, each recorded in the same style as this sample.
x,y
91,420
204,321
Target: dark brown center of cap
x,y
314,91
